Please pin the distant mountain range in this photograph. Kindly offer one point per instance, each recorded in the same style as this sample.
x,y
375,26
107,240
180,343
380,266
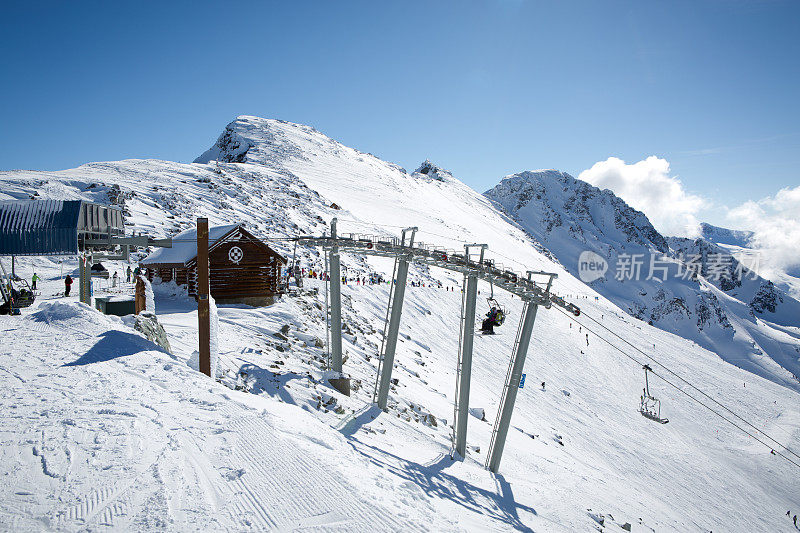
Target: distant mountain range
x,y
692,287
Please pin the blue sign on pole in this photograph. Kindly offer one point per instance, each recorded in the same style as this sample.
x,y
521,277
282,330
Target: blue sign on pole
x,y
522,381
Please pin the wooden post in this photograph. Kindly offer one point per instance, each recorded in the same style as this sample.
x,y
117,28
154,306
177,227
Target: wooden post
x,y
85,278
203,318
140,300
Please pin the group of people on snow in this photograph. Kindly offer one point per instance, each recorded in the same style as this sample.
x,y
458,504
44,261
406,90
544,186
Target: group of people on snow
x,y
130,275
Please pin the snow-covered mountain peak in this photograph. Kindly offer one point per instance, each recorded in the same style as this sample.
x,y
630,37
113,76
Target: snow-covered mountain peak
x,y
725,306
274,143
250,139
588,215
532,175
433,171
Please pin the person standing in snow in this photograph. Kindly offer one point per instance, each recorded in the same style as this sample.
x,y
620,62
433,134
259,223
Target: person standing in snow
x,y
67,284
114,279
129,272
34,279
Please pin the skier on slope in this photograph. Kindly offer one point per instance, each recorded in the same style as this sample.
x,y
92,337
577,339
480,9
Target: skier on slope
x,y
67,284
34,279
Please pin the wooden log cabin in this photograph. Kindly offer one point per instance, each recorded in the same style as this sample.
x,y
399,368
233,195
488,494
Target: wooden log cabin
x,y
243,269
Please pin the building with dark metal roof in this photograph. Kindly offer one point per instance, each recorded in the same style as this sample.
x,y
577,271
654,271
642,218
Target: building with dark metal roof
x,y
55,227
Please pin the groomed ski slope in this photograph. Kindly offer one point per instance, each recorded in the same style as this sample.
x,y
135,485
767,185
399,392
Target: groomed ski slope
x,y
270,458
108,430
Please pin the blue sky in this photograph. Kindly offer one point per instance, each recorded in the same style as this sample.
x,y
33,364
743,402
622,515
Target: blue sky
x,y
482,88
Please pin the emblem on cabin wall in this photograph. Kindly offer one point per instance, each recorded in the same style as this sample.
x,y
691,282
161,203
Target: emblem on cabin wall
x,y
235,254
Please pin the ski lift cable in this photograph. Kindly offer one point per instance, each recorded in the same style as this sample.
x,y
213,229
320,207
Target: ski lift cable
x,y
714,411
690,384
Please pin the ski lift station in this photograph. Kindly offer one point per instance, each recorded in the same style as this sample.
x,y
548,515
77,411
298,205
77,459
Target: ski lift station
x,y
55,227
52,227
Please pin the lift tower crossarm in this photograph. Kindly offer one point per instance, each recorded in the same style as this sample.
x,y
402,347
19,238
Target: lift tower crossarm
x,y
434,256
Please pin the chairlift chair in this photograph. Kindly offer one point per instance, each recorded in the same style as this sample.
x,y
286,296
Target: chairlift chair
x,y
494,304
649,406
17,294
499,317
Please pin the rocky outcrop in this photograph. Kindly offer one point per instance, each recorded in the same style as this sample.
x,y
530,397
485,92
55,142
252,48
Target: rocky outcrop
x,y
429,170
147,324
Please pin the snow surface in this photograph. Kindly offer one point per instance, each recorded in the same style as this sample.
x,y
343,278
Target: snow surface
x,y
100,428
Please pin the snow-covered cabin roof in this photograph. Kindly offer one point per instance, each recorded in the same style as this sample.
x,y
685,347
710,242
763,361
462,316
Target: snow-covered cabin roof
x,y
184,246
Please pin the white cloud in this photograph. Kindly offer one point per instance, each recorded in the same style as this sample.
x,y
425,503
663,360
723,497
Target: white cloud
x,y
648,187
775,221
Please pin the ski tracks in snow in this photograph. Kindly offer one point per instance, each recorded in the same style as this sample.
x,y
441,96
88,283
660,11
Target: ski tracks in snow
x,y
154,445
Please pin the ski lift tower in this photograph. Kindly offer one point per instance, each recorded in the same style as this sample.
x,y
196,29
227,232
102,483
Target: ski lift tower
x,y
465,344
515,368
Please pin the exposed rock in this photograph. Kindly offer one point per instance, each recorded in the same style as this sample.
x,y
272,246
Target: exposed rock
x,y
147,324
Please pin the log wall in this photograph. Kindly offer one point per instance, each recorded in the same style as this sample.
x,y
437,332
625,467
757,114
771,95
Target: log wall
x,y
255,275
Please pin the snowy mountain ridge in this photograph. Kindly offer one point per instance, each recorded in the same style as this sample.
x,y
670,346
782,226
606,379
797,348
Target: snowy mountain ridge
x,y
720,235
223,455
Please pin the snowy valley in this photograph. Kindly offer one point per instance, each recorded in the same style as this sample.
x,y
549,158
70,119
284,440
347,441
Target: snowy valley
x,y
102,429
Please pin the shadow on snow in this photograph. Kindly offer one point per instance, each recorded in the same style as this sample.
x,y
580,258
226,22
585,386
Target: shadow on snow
x,y
432,478
114,344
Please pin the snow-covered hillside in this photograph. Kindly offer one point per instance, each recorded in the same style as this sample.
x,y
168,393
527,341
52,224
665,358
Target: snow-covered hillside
x,y
694,288
101,428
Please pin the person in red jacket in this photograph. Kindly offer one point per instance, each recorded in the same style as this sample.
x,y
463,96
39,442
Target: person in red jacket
x,y
67,285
